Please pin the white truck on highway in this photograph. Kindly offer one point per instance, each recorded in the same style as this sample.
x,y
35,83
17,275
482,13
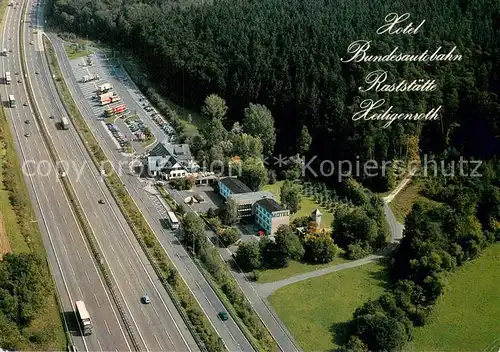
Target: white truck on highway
x,y
7,77
4,52
64,123
105,87
83,317
89,78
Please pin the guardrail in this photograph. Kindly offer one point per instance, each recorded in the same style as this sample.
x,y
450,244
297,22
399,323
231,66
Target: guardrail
x,y
70,192
137,235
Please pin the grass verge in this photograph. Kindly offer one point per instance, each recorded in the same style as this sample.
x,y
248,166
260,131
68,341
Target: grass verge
x,y
467,316
316,310
150,139
24,236
74,53
295,268
189,309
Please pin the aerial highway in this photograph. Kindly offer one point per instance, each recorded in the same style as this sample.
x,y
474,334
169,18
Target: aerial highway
x,y
233,337
158,325
72,265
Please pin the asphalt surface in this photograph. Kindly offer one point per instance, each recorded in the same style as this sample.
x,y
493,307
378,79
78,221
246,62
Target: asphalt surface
x,y
158,326
150,205
72,265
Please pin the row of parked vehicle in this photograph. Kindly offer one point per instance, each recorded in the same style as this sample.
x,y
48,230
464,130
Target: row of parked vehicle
x,y
158,119
138,128
120,138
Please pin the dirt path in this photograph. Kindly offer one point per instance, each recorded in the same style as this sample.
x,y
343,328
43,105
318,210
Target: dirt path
x,y
4,240
400,186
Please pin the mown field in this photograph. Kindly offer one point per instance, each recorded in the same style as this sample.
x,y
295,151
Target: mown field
x,y
316,310
467,316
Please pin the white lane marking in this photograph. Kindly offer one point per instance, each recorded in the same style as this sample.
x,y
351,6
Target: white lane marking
x,y
120,265
87,275
72,270
158,342
154,309
107,327
169,338
100,347
81,293
143,313
97,301
78,255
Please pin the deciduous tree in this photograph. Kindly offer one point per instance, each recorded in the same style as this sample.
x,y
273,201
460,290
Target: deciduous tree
x,y
290,196
248,256
214,108
259,122
253,173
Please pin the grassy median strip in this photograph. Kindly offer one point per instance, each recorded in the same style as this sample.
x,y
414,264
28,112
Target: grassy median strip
x,y
188,307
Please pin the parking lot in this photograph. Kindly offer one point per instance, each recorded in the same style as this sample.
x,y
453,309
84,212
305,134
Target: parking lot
x,y
121,139
110,71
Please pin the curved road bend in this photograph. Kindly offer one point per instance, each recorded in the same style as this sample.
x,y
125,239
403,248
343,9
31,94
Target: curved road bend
x,y
72,265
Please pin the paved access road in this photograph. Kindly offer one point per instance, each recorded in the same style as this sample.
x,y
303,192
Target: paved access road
x,y
72,265
158,326
150,206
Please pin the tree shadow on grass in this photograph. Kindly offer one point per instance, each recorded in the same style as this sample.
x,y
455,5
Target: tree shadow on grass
x,y
380,277
340,332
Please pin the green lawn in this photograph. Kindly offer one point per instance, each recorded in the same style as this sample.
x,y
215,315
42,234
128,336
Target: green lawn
x,y
306,207
132,118
467,316
294,268
316,310
76,53
148,141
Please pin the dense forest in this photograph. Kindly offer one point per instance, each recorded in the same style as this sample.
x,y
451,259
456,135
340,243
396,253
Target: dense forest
x,y
286,55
